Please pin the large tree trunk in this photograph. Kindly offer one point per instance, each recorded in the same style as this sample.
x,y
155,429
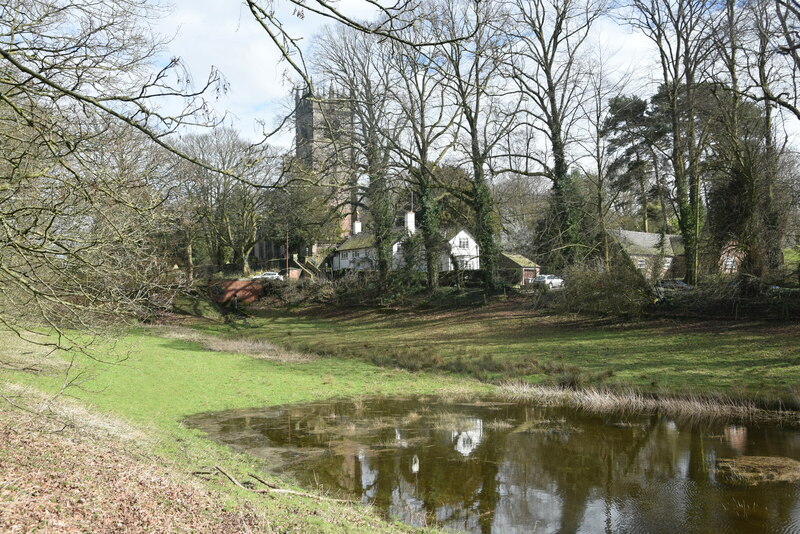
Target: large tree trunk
x,y
429,227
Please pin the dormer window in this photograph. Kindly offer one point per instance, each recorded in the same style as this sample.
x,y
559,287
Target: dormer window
x,y
463,242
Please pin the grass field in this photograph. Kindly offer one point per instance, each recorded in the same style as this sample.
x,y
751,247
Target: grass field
x,y
166,373
504,340
160,380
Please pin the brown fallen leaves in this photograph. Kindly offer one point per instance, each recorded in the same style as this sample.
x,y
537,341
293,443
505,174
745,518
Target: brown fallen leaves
x,y
53,482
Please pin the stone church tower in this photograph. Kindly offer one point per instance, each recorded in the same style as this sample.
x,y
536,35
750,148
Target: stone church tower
x,y
324,153
324,149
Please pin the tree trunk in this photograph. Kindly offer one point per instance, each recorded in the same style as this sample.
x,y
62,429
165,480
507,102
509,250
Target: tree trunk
x,y
189,262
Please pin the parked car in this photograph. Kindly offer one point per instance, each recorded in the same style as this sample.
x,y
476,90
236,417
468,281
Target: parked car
x,y
268,275
549,280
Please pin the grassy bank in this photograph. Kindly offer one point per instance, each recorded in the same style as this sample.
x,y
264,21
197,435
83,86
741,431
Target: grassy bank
x,y
286,355
506,340
159,380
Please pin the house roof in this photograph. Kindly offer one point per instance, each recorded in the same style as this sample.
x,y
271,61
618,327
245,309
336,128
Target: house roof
x,y
367,240
648,243
354,242
450,233
516,260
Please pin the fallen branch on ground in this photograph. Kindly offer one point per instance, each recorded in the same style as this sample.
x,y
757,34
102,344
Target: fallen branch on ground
x,y
271,488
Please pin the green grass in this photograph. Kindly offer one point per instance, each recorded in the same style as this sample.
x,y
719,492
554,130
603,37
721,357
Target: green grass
x,y
791,258
163,380
505,340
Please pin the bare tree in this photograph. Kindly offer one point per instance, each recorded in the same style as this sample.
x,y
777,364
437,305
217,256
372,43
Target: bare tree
x,y
595,144
550,73
231,212
476,83
420,94
744,194
80,114
357,66
391,22
785,41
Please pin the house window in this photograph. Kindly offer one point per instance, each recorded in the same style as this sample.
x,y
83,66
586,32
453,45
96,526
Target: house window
x,y
641,264
463,242
356,253
730,264
344,255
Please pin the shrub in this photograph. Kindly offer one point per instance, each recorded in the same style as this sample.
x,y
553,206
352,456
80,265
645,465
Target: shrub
x,y
593,289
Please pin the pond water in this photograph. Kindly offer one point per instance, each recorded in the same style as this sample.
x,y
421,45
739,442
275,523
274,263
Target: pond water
x,y
494,467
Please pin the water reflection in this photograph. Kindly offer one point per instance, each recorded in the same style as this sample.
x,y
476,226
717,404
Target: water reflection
x,y
506,468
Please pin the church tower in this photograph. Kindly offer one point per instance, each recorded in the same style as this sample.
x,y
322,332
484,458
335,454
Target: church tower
x,y
324,149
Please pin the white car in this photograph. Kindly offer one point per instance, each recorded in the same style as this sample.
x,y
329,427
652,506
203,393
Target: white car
x,y
268,275
549,280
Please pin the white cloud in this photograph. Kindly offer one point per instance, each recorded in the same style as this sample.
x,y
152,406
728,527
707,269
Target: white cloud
x,y
225,35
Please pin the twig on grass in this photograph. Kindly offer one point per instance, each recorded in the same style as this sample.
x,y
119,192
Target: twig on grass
x,y
267,484
272,489
230,477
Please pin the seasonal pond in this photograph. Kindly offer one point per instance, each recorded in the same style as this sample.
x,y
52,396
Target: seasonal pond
x,y
496,467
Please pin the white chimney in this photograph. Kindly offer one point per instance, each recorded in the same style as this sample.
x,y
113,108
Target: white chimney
x,y
411,225
356,227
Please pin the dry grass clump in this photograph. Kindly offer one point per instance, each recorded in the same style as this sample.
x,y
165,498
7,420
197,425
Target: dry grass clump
x,y
262,350
259,349
453,421
17,354
456,393
498,424
751,470
411,417
61,413
605,401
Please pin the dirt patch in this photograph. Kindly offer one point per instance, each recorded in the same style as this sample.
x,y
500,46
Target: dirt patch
x,y
62,413
752,470
257,348
30,355
57,482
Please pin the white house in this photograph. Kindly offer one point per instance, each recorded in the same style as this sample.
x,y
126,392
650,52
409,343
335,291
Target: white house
x,y
464,252
358,252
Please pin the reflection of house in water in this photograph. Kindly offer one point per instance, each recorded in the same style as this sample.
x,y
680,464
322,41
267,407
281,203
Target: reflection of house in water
x,y
520,506
737,437
369,477
407,505
467,440
550,473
